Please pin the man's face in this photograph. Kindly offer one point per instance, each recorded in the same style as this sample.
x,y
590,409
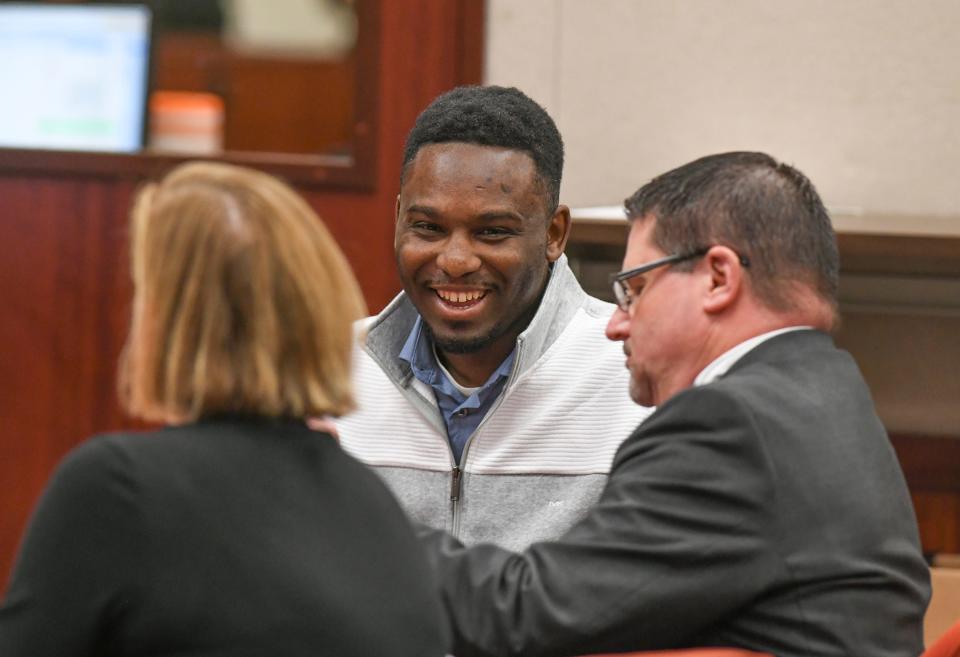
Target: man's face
x,y
473,242
663,328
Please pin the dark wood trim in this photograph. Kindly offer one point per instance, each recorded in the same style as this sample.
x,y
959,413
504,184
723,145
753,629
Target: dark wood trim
x,y
899,254
930,463
309,170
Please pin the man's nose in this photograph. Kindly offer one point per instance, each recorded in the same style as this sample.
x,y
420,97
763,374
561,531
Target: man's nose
x,y
618,328
458,257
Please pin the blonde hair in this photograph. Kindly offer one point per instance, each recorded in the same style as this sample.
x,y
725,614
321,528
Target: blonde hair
x,y
243,302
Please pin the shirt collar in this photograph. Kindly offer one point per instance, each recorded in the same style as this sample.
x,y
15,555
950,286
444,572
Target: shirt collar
x,y
727,359
417,352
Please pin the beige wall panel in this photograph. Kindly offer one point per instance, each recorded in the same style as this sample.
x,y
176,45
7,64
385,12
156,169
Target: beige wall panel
x,y
863,95
523,46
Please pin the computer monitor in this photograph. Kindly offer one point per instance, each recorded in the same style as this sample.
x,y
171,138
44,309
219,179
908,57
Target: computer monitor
x,y
74,76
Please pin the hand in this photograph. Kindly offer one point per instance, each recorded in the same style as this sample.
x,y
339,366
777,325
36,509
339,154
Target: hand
x,y
325,424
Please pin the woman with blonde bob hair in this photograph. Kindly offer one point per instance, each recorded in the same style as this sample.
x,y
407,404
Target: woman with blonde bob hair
x,y
244,303
235,529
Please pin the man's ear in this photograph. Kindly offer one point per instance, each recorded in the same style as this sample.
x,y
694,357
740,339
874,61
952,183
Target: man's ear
x,y
725,279
558,232
396,222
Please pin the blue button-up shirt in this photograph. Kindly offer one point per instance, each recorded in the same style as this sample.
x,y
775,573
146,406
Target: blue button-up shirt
x,y
461,414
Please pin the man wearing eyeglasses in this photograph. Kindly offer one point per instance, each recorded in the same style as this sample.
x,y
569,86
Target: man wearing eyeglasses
x,y
761,506
488,398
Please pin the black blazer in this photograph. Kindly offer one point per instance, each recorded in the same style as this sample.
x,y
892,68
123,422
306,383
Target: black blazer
x,y
766,510
234,536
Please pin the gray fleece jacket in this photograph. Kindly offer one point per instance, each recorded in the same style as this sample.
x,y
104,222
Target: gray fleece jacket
x,y
540,457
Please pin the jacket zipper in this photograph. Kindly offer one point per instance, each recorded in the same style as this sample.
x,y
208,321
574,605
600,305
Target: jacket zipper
x,y
455,484
456,474
456,478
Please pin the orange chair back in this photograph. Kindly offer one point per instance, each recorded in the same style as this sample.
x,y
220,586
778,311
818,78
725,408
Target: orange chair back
x,y
947,645
692,652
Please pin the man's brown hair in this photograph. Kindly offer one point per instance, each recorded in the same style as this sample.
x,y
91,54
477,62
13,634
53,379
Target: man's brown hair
x,y
765,210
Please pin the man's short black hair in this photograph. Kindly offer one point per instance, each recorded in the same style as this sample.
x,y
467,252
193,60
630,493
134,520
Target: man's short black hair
x,y
492,116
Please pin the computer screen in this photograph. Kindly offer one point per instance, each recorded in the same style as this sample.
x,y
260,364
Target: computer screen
x,y
74,76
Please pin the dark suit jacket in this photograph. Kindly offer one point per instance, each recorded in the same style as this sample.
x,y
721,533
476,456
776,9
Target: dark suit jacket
x,y
766,511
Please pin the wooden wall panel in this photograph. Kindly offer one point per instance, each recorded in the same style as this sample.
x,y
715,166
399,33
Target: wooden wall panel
x,y
64,283
65,297
289,104
932,468
938,515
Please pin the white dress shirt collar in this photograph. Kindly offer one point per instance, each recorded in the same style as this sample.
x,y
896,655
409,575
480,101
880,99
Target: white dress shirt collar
x,y
726,360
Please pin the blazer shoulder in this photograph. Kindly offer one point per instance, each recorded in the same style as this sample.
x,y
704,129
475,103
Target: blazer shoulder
x,y
703,415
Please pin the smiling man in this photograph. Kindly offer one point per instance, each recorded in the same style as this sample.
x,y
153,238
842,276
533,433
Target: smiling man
x,y
488,398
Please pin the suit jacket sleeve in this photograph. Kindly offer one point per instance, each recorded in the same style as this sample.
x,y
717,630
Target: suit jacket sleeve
x,y
680,538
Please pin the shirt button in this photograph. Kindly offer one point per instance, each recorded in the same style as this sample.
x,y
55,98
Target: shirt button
x,y
463,412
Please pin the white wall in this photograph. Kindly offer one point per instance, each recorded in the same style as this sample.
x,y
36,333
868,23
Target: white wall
x,y
861,95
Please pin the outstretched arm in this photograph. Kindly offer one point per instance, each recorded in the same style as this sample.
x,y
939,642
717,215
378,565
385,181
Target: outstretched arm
x,y
677,541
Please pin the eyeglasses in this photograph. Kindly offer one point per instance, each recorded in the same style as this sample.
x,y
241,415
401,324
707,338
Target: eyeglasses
x,y
622,292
